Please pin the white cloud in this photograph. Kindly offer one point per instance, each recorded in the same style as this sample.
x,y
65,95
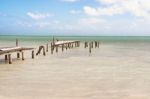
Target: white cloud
x,y
75,11
108,1
91,21
138,8
38,16
70,0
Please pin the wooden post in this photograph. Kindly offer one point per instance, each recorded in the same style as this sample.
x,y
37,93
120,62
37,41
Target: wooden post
x,y
9,59
16,42
46,47
6,58
78,43
66,46
98,44
52,48
56,48
85,44
18,55
75,44
44,53
53,40
33,54
95,44
62,47
22,55
90,46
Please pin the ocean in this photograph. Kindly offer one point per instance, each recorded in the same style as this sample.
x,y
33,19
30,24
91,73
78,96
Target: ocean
x,y
119,69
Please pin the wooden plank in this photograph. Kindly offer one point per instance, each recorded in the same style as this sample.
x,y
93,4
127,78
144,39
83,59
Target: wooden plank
x,y
13,49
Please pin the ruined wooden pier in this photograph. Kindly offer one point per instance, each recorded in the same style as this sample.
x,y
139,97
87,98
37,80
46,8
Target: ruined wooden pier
x,y
64,45
7,51
54,46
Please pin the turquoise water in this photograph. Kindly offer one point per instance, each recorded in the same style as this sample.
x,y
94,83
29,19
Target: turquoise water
x,y
81,38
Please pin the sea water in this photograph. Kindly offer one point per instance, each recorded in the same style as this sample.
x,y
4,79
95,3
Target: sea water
x,y
119,69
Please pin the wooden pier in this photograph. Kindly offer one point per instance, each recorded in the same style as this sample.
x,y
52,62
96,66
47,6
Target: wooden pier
x,y
7,51
54,46
64,45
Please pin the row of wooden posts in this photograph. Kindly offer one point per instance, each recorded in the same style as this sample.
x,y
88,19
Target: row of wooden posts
x,y
20,54
53,47
8,57
91,45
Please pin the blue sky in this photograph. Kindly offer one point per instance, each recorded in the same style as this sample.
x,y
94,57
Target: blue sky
x,y
75,17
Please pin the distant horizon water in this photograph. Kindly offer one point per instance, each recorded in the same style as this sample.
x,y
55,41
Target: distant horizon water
x,y
69,37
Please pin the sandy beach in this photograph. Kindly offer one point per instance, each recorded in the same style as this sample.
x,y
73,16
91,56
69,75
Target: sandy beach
x,y
113,71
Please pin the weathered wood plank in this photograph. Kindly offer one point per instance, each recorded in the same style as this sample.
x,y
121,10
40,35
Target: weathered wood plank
x,y
13,49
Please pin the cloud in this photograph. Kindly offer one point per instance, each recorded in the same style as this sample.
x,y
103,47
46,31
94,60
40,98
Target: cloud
x,y
137,8
91,21
108,2
75,11
38,16
70,1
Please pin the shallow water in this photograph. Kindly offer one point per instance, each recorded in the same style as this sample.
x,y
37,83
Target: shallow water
x,y
117,70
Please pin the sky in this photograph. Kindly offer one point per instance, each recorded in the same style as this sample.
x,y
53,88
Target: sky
x,y
75,17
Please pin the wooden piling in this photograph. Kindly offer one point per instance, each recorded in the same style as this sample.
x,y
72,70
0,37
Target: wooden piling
x,y
46,47
52,49
56,49
78,43
33,54
6,58
66,45
18,55
40,49
16,42
85,44
75,44
44,53
9,59
62,47
9,50
92,44
95,44
22,55
90,47
98,44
